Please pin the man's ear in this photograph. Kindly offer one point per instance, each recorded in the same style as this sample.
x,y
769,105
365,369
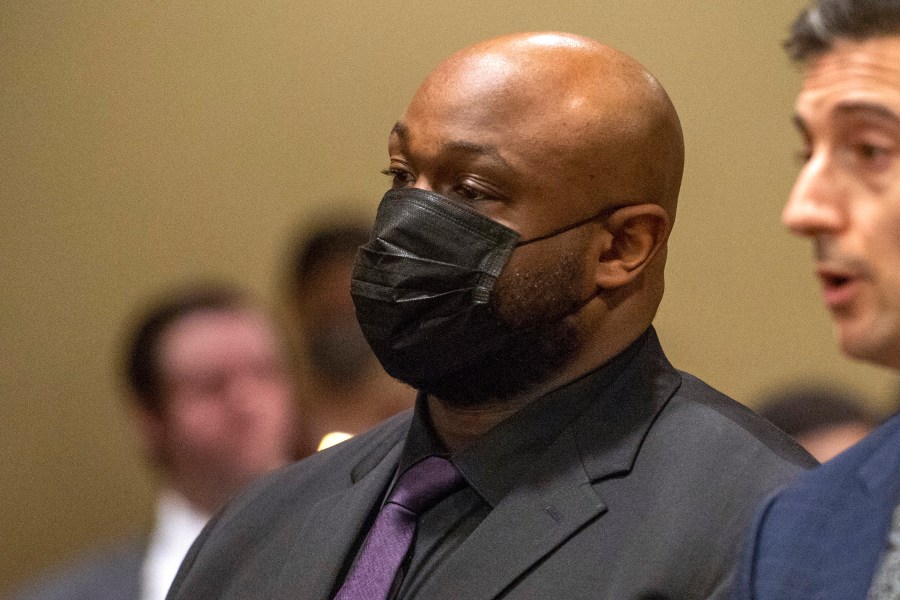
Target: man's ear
x,y
636,234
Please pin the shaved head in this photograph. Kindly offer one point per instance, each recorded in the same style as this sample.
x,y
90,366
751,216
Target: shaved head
x,y
581,102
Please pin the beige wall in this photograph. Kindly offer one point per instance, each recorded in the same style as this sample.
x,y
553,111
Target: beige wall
x,y
145,143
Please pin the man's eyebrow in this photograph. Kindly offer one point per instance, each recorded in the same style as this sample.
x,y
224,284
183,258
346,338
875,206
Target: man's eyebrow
x,y
868,108
402,132
399,129
476,148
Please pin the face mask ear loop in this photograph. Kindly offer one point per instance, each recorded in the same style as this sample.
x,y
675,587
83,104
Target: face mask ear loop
x,y
600,215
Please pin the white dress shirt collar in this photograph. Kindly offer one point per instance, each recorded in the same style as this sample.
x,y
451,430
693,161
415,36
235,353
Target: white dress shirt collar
x,y
176,527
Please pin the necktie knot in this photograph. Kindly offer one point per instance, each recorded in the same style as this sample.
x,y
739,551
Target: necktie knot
x,y
425,483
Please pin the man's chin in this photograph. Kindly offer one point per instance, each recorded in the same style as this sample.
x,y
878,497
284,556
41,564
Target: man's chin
x,y
525,364
868,342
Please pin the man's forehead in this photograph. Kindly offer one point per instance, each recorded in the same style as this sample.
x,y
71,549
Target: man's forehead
x,y
853,80
854,69
506,114
205,332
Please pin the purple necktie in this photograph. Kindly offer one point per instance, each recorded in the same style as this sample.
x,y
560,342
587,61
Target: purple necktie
x,y
417,490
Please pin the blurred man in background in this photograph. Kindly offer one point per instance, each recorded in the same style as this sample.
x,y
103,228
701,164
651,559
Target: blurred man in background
x,y
212,402
341,385
825,420
835,533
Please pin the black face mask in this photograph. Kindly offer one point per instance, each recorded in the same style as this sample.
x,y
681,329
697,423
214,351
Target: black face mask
x,y
422,285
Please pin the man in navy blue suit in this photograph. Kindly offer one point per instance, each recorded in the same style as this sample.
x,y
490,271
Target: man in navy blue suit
x,y
835,533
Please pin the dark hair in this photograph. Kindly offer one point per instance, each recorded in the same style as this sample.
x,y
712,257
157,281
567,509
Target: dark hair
x,y
803,409
142,370
314,252
817,28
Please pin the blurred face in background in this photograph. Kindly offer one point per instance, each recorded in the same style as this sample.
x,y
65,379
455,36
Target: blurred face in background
x,y
334,343
227,414
847,196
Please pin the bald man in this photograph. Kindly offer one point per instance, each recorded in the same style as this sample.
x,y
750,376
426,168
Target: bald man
x,y
512,276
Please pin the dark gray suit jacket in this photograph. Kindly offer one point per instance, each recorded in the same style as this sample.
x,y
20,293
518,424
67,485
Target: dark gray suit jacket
x,y
111,574
648,490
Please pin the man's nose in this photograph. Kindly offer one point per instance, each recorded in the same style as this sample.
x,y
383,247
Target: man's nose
x,y
247,392
422,182
814,207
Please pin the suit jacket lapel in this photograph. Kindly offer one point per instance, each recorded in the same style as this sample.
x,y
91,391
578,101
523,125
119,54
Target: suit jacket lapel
x,y
332,527
877,496
878,472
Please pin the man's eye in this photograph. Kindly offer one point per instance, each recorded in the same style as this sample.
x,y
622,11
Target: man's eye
x,y
870,151
400,177
201,384
875,157
470,193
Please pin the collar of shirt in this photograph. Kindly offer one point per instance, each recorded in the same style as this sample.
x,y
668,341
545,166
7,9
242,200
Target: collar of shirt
x,y
502,456
175,528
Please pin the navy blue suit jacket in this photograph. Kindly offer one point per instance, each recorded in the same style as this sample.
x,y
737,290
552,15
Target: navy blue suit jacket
x,y
822,536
